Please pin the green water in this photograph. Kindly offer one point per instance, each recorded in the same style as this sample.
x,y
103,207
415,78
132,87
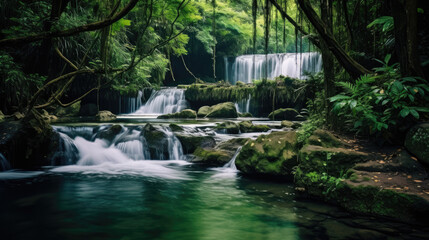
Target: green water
x,y
198,203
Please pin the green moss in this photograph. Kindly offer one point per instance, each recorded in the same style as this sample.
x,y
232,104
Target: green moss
x,y
175,128
223,110
212,156
187,113
284,114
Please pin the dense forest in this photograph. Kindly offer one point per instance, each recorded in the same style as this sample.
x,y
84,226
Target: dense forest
x,y
326,98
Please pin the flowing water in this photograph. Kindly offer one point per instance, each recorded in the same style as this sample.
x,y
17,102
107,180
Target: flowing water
x,y
164,101
112,189
243,106
246,68
4,164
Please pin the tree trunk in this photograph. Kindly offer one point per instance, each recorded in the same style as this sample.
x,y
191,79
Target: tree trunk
x,y
349,64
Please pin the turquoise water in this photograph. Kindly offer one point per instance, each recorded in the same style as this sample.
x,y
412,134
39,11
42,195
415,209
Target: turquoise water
x,y
186,202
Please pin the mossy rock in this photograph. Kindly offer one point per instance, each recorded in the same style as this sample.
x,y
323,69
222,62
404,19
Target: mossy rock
x,y
240,83
284,114
332,161
324,138
70,111
187,113
157,141
203,111
417,142
175,128
221,154
290,124
223,110
247,114
110,133
272,155
228,127
190,143
248,126
104,116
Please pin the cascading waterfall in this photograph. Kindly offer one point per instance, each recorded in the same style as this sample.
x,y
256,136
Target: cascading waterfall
x,y
164,101
246,68
243,106
128,145
4,164
231,163
130,104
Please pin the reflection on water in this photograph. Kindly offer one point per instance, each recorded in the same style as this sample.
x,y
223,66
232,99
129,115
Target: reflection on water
x,y
136,201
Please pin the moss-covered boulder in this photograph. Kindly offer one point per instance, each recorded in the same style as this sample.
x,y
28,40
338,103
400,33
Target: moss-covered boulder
x,y
246,114
223,110
175,128
219,155
70,111
157,141
228,127
417,142
203,111
273,155
248,126
290,124
48,117
324,138
187,113
191,142
284,114
105,116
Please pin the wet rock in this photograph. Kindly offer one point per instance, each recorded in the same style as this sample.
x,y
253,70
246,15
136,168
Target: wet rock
x,y
190,142
228,127
219,155
223,110
47,117
203,111
187,113
157,141
175,128
273,155
417,142
247,114
248,126
284,114
104,116
110,133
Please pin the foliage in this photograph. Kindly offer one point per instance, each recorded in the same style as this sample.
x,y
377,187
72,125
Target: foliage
x,y
377,103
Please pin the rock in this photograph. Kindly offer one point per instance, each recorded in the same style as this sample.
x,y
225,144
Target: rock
x,y
228,127
157,141
18,116
324,138
240,83
417,142
284,114
47,117
248,126
219,155
247,114
203,111
70,111
89,109
273,155
223,110
110,133
329,160
104,116
175,128
190,143
290,124
187,113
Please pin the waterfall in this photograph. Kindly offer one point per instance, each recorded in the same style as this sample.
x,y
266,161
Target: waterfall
x,y
129,104
168,100
76,147
231,163
243,106
246,68
4,164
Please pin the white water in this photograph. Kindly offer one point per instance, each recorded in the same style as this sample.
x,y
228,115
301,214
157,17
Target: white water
x,y
231,163
4,164
164,101
229,169
243,106
246,68
130,104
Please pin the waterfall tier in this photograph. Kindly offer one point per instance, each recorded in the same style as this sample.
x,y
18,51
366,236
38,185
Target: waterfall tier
x,y
164,101
246,68
4,164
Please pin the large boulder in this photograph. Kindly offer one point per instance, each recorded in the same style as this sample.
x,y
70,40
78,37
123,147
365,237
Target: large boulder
x,y
223,110
187,113
203,111
417,142
228,127
273,155
191,142
104,116
284,114
219,155
110,133
290,124
157,141
248,126
48,117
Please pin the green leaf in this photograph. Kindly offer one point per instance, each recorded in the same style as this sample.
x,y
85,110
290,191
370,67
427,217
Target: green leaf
x,y
338,97
387,58
414,113
404,112
411,97
353,104
422,109
385,102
